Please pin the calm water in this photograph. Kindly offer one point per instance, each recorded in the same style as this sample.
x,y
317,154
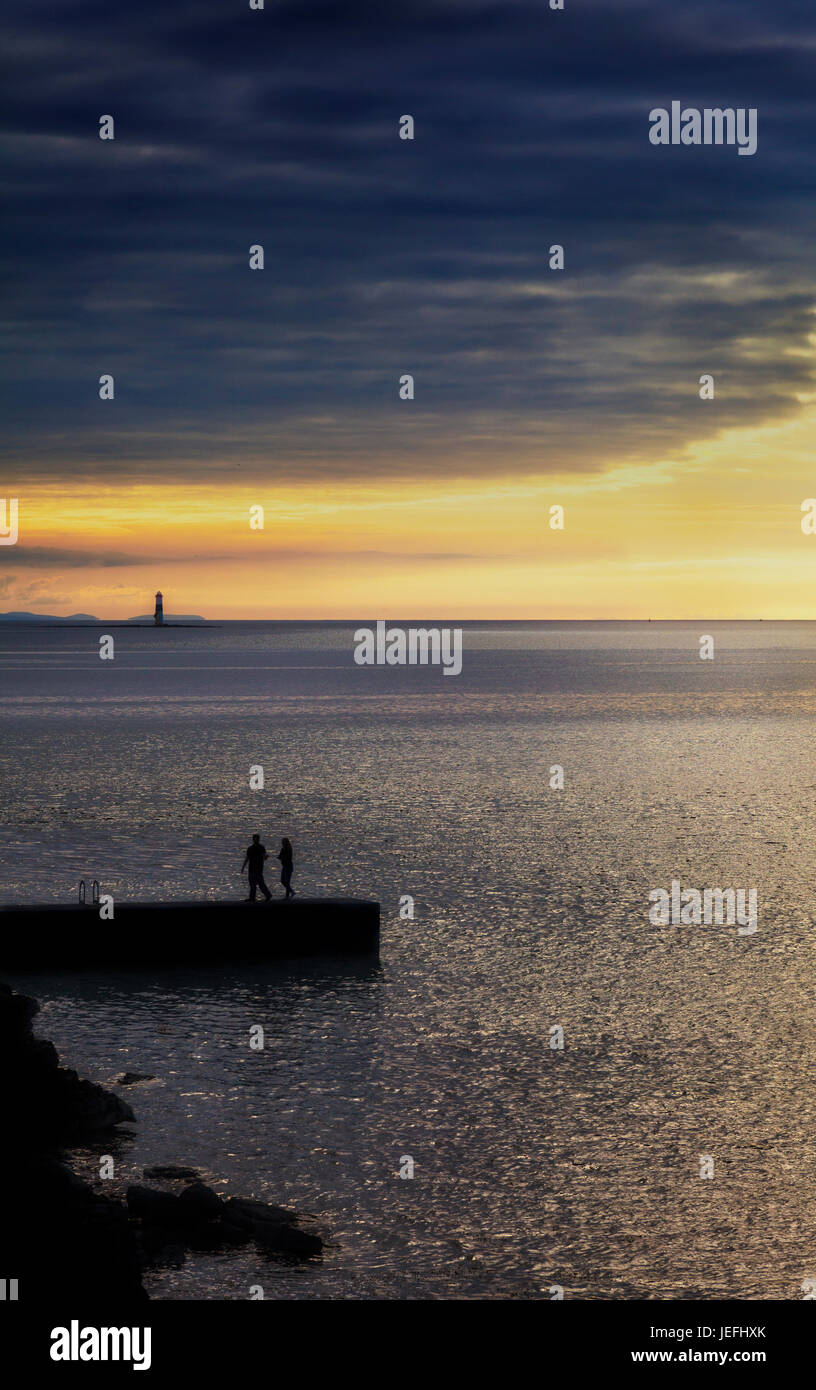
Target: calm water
x,y
533,1167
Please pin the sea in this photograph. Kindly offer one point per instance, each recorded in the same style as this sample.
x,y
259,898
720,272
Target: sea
x,y
537,1092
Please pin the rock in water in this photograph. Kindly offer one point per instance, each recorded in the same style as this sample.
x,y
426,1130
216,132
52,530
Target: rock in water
x,y
202,1200
274,1228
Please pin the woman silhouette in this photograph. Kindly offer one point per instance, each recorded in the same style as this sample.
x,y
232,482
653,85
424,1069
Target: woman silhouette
x,y
287,864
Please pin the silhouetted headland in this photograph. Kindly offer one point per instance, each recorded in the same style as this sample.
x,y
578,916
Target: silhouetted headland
x,y
23,619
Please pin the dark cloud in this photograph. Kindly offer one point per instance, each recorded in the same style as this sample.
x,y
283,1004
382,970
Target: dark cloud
x,y
384,257
47,557
42,557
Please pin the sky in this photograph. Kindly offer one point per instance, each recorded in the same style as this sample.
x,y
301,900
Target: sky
x,y
237,388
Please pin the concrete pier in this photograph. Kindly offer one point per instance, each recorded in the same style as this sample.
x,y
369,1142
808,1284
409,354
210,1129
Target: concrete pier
x,y
182,933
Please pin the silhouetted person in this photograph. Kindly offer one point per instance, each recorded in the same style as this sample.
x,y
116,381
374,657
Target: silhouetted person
x,y
287,864
254,857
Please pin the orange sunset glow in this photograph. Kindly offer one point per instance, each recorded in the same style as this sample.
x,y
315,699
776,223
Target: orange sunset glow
x,y
716,530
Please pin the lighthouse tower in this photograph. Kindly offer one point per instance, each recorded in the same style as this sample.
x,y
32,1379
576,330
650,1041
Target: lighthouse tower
x,y
158,616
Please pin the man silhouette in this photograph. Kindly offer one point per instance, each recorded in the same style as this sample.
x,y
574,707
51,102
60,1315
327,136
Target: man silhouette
x,y
254,857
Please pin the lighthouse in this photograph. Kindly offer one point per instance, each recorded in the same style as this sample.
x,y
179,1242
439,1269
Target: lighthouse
x,y
158,616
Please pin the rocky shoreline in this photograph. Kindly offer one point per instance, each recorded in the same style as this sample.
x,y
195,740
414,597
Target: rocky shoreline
x,y
58,1233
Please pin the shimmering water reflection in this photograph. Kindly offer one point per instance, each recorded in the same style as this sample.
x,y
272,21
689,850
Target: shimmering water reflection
x,y
533,1167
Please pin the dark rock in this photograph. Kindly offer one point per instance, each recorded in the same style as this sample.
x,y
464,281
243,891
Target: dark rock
x,y
51,1105
236,1235
288,1239
96,1108
216,1235
130,1078
158,1208
197,1206
241,1209
273,1228
203,1200
51,1220
200,1220
44,1054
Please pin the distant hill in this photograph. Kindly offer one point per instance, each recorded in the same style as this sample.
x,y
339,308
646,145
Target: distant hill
x,y
47,618
89,618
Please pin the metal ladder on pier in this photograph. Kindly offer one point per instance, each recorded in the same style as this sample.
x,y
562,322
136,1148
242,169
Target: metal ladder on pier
x,y
94,892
